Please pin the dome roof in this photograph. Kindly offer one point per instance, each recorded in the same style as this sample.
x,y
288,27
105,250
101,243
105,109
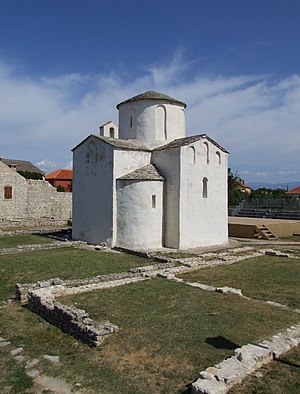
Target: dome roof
x,y
152,95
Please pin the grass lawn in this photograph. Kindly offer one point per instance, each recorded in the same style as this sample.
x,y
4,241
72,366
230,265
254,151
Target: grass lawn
x,y
269,379
12,241
266,278
65,263
170,331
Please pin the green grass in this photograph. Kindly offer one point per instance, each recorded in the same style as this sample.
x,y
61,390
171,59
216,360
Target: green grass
x,y
13,378
282,376
265,278
168,331
65,263
12,241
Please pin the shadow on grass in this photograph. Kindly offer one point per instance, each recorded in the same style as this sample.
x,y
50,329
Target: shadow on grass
x,y
221,342
60,234
285,362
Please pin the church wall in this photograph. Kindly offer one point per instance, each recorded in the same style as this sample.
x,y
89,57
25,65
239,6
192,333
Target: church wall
x,y
125,161
203,213
139,219
93,192
168,163
140,120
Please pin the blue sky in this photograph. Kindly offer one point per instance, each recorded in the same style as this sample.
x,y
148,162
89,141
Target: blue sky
x,y
64,65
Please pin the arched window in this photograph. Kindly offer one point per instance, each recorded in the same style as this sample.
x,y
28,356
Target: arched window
x,y
161,123
204,187
192,155
218,158
205,153
131,122
112,132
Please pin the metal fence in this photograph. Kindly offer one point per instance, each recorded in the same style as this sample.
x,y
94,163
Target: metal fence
x,y
279,208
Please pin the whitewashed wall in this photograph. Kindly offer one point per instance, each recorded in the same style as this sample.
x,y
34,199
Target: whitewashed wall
x,y
147,122
93,192
125,161
203,221
139,219
168,162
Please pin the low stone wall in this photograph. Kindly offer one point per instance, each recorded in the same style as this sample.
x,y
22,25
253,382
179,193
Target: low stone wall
x,y
247,359
33,223
34,247
40,297
71,320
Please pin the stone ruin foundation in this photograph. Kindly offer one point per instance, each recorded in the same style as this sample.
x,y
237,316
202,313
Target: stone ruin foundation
x,y
41,299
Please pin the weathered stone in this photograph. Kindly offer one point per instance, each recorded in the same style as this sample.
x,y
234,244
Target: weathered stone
x,y
53,359
204,386
17,351
5,343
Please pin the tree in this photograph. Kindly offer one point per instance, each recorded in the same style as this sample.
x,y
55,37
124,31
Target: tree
x,y
235,195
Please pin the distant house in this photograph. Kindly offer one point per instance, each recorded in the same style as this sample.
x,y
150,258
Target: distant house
x,y
24,168
61,178
244,188
294,192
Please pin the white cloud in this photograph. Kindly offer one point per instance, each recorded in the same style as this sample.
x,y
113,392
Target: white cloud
x,y
255,117
280,172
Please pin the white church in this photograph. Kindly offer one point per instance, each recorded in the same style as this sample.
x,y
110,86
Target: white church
x,y
146,185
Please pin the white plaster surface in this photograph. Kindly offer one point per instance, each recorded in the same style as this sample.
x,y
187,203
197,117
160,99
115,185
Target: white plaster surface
x,y
148,124
138,220
118,212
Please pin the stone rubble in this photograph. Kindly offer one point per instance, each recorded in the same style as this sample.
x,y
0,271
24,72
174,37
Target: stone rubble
x,y
247,359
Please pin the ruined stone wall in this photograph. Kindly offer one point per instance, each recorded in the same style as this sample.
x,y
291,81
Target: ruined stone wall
x,y
16,206
33,202
40,297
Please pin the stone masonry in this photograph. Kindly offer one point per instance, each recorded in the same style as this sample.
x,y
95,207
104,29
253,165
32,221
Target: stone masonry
x,y
33,202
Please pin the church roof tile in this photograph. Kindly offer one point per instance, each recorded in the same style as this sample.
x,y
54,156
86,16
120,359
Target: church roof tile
x,y
152,95
149,172
118,143
189,140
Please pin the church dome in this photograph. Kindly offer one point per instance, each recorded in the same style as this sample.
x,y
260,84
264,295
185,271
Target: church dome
x,y
152,95
152,118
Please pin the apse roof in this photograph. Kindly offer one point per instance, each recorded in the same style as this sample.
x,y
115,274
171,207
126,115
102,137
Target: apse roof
x,y
147,173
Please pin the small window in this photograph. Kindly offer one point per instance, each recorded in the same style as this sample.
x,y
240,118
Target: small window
x,y
204,185
131,121
192,155
112,132
153,201
7,192
218,158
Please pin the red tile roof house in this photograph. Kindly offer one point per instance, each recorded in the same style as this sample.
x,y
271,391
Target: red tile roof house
x,y
294,192
61,178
